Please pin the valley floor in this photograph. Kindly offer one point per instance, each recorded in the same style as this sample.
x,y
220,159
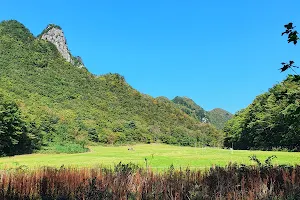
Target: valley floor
x,y
158,157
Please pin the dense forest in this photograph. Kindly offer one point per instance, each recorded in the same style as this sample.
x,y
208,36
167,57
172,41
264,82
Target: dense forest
x,y
217,117
271,121
49,104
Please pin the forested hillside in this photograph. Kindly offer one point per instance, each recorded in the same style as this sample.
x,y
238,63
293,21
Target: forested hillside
x,y
188,106
217,117
63,107
271,121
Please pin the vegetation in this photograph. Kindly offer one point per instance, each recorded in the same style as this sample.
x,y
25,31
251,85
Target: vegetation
x,y
158,157
52,106
271,121
128,181
77,61
16,31
188,106
49,27
217,117
69,107
16,135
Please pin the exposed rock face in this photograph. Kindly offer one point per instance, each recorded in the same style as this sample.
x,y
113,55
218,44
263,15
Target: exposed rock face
x,y
56,36
204,120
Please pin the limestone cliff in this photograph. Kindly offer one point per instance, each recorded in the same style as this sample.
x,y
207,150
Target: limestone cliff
x,y
55,35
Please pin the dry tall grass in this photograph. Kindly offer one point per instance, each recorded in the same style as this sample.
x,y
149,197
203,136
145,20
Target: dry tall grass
x,y
130,182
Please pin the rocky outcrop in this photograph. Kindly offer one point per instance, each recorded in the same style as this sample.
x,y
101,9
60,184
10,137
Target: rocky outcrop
x,y
55,35
77,61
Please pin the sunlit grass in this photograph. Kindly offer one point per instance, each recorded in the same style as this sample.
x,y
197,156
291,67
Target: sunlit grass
x,y
158,156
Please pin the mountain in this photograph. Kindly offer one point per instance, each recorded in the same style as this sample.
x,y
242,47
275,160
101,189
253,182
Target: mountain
x,y
63,106
217,117
270,121
54,34
188,106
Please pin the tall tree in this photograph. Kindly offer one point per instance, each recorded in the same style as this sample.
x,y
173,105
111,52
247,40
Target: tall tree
x,y
13,130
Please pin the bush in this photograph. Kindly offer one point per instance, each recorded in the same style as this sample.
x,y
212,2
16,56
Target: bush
x,y
68,147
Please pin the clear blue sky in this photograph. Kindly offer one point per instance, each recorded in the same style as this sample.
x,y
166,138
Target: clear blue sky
x,y
219,53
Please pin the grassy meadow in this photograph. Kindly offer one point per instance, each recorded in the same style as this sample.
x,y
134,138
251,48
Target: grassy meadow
x,y
158,156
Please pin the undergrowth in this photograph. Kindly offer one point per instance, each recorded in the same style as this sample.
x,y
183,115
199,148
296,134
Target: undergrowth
x,y
129,181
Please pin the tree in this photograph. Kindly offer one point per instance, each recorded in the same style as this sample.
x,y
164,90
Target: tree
x,y
292,37
13,130
9,126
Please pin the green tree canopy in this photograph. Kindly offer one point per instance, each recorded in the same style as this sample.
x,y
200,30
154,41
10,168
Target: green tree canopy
x,y
14,132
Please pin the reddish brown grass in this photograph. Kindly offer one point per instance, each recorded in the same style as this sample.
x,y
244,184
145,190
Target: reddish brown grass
x,y
231,182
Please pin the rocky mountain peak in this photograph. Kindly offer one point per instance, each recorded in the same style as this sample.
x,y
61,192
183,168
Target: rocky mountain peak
x,y
55,35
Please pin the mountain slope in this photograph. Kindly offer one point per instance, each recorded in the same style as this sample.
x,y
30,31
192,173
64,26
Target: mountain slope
x,y
68,103
188,106
217,117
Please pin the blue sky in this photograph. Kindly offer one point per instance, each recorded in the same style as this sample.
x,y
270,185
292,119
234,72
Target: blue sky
x,y
219,53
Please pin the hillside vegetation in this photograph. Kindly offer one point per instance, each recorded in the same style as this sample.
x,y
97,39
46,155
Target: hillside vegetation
x,y
271,121
217,117
188,106
63,107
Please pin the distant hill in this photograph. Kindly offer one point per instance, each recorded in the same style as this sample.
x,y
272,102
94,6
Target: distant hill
x,y
191,108
217,117
64,105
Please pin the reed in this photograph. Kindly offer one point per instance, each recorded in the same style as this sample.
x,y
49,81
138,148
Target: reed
x,y
131,182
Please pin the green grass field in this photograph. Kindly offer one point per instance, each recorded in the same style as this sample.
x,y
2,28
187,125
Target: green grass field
x,y
159,156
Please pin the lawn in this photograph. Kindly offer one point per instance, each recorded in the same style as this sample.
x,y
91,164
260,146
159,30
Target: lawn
x,y
158,156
